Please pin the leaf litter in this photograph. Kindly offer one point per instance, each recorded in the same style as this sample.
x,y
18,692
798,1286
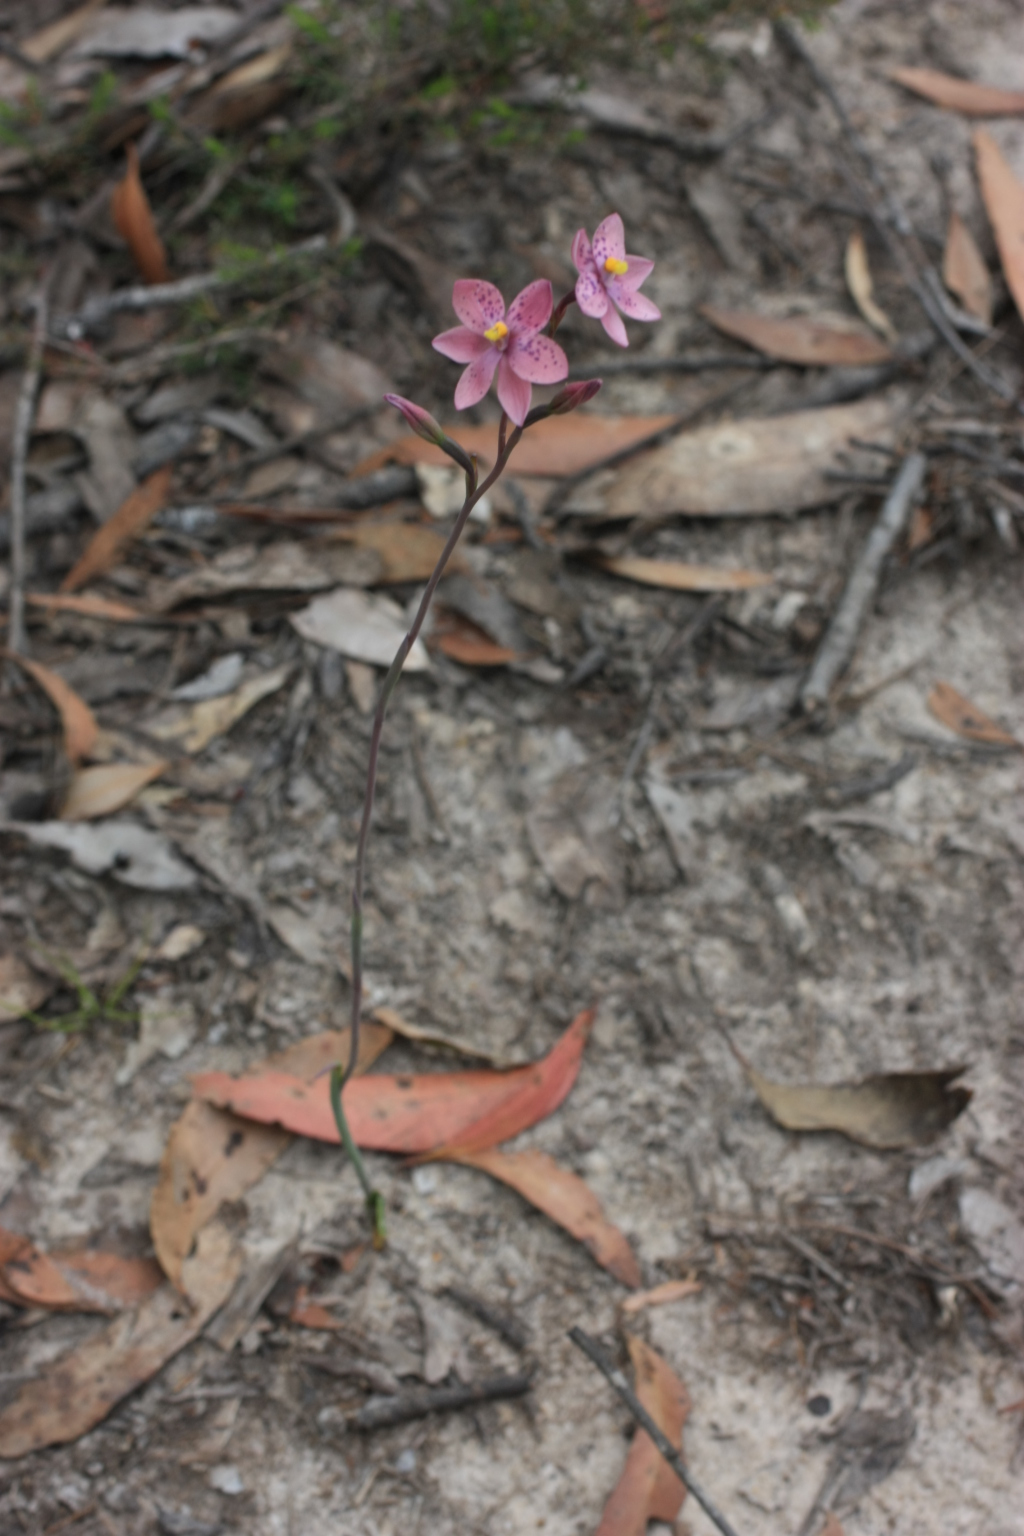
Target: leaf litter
x,y
320,396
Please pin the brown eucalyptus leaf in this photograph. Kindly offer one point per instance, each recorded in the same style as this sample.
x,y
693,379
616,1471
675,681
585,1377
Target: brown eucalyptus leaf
x,y
964,271
888,1110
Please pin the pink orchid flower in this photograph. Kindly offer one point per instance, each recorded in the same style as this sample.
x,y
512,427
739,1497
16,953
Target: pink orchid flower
x,y
609,279
490,339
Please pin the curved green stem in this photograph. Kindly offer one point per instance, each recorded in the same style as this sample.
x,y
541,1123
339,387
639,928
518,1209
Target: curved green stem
x,y
474,490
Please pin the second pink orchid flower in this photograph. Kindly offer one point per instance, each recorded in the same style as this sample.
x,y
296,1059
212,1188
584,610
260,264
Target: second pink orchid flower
x,y
609,279
489,339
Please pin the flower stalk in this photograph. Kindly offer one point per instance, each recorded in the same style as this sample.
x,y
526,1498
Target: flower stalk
x,y
516,345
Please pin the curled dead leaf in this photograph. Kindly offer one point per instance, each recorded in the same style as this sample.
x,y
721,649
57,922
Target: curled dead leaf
x,y
430,1115
130,210
964,271
888,1110
90,605
681,577
963,717
561,445
800,340
562,1195
1003,196
107,788
648,1489
70,1395
862,289
134,515
958,95
78,720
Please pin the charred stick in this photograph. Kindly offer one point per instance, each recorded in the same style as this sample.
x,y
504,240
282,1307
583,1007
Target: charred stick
x,y
418,1402
841,636
23,417
97,311
615,1378
510,1328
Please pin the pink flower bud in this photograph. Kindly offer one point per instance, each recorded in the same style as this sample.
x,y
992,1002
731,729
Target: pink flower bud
x,y
567,399
574,395
421,421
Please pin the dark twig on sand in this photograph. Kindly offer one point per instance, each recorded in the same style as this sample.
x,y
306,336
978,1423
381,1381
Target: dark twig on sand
x,y
23,417
418,1402
887,214
98,311
615,1378
841,636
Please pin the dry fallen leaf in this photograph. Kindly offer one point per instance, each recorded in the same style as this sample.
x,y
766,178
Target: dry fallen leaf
x,y
195,728
88,604
681,577
862,289
888,1110
1003,196
360,626
130,210
212,1156
22,990
431,1115
111,786
78,1280
964,271
739,468
561,445
284,566
564,1197
963,717
648,1488
466,643
49,41
661,1295
134,515
78,720
69,1395
831,1526
801,340
960,95
400,1026
408,551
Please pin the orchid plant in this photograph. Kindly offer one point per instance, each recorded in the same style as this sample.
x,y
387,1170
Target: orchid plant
x,y
518,345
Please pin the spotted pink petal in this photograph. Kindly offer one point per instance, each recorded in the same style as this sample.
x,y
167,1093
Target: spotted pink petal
x,y
609,240
513,392
636,305
531,309
639,269
582,255
590,294
460,344
476,380
478,305
612,322
537,359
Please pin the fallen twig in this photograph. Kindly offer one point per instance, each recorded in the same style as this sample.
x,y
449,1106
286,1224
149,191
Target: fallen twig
x,y
841,636
510,1328
23,417
693,363
418,1402
918,274
139,298
615,1378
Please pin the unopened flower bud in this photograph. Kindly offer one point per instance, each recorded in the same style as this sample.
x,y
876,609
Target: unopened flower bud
x,y
421,421
574,395
424,425
567,399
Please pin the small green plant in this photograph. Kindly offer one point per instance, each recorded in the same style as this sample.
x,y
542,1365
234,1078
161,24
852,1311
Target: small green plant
x,y
91,1007
103,96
